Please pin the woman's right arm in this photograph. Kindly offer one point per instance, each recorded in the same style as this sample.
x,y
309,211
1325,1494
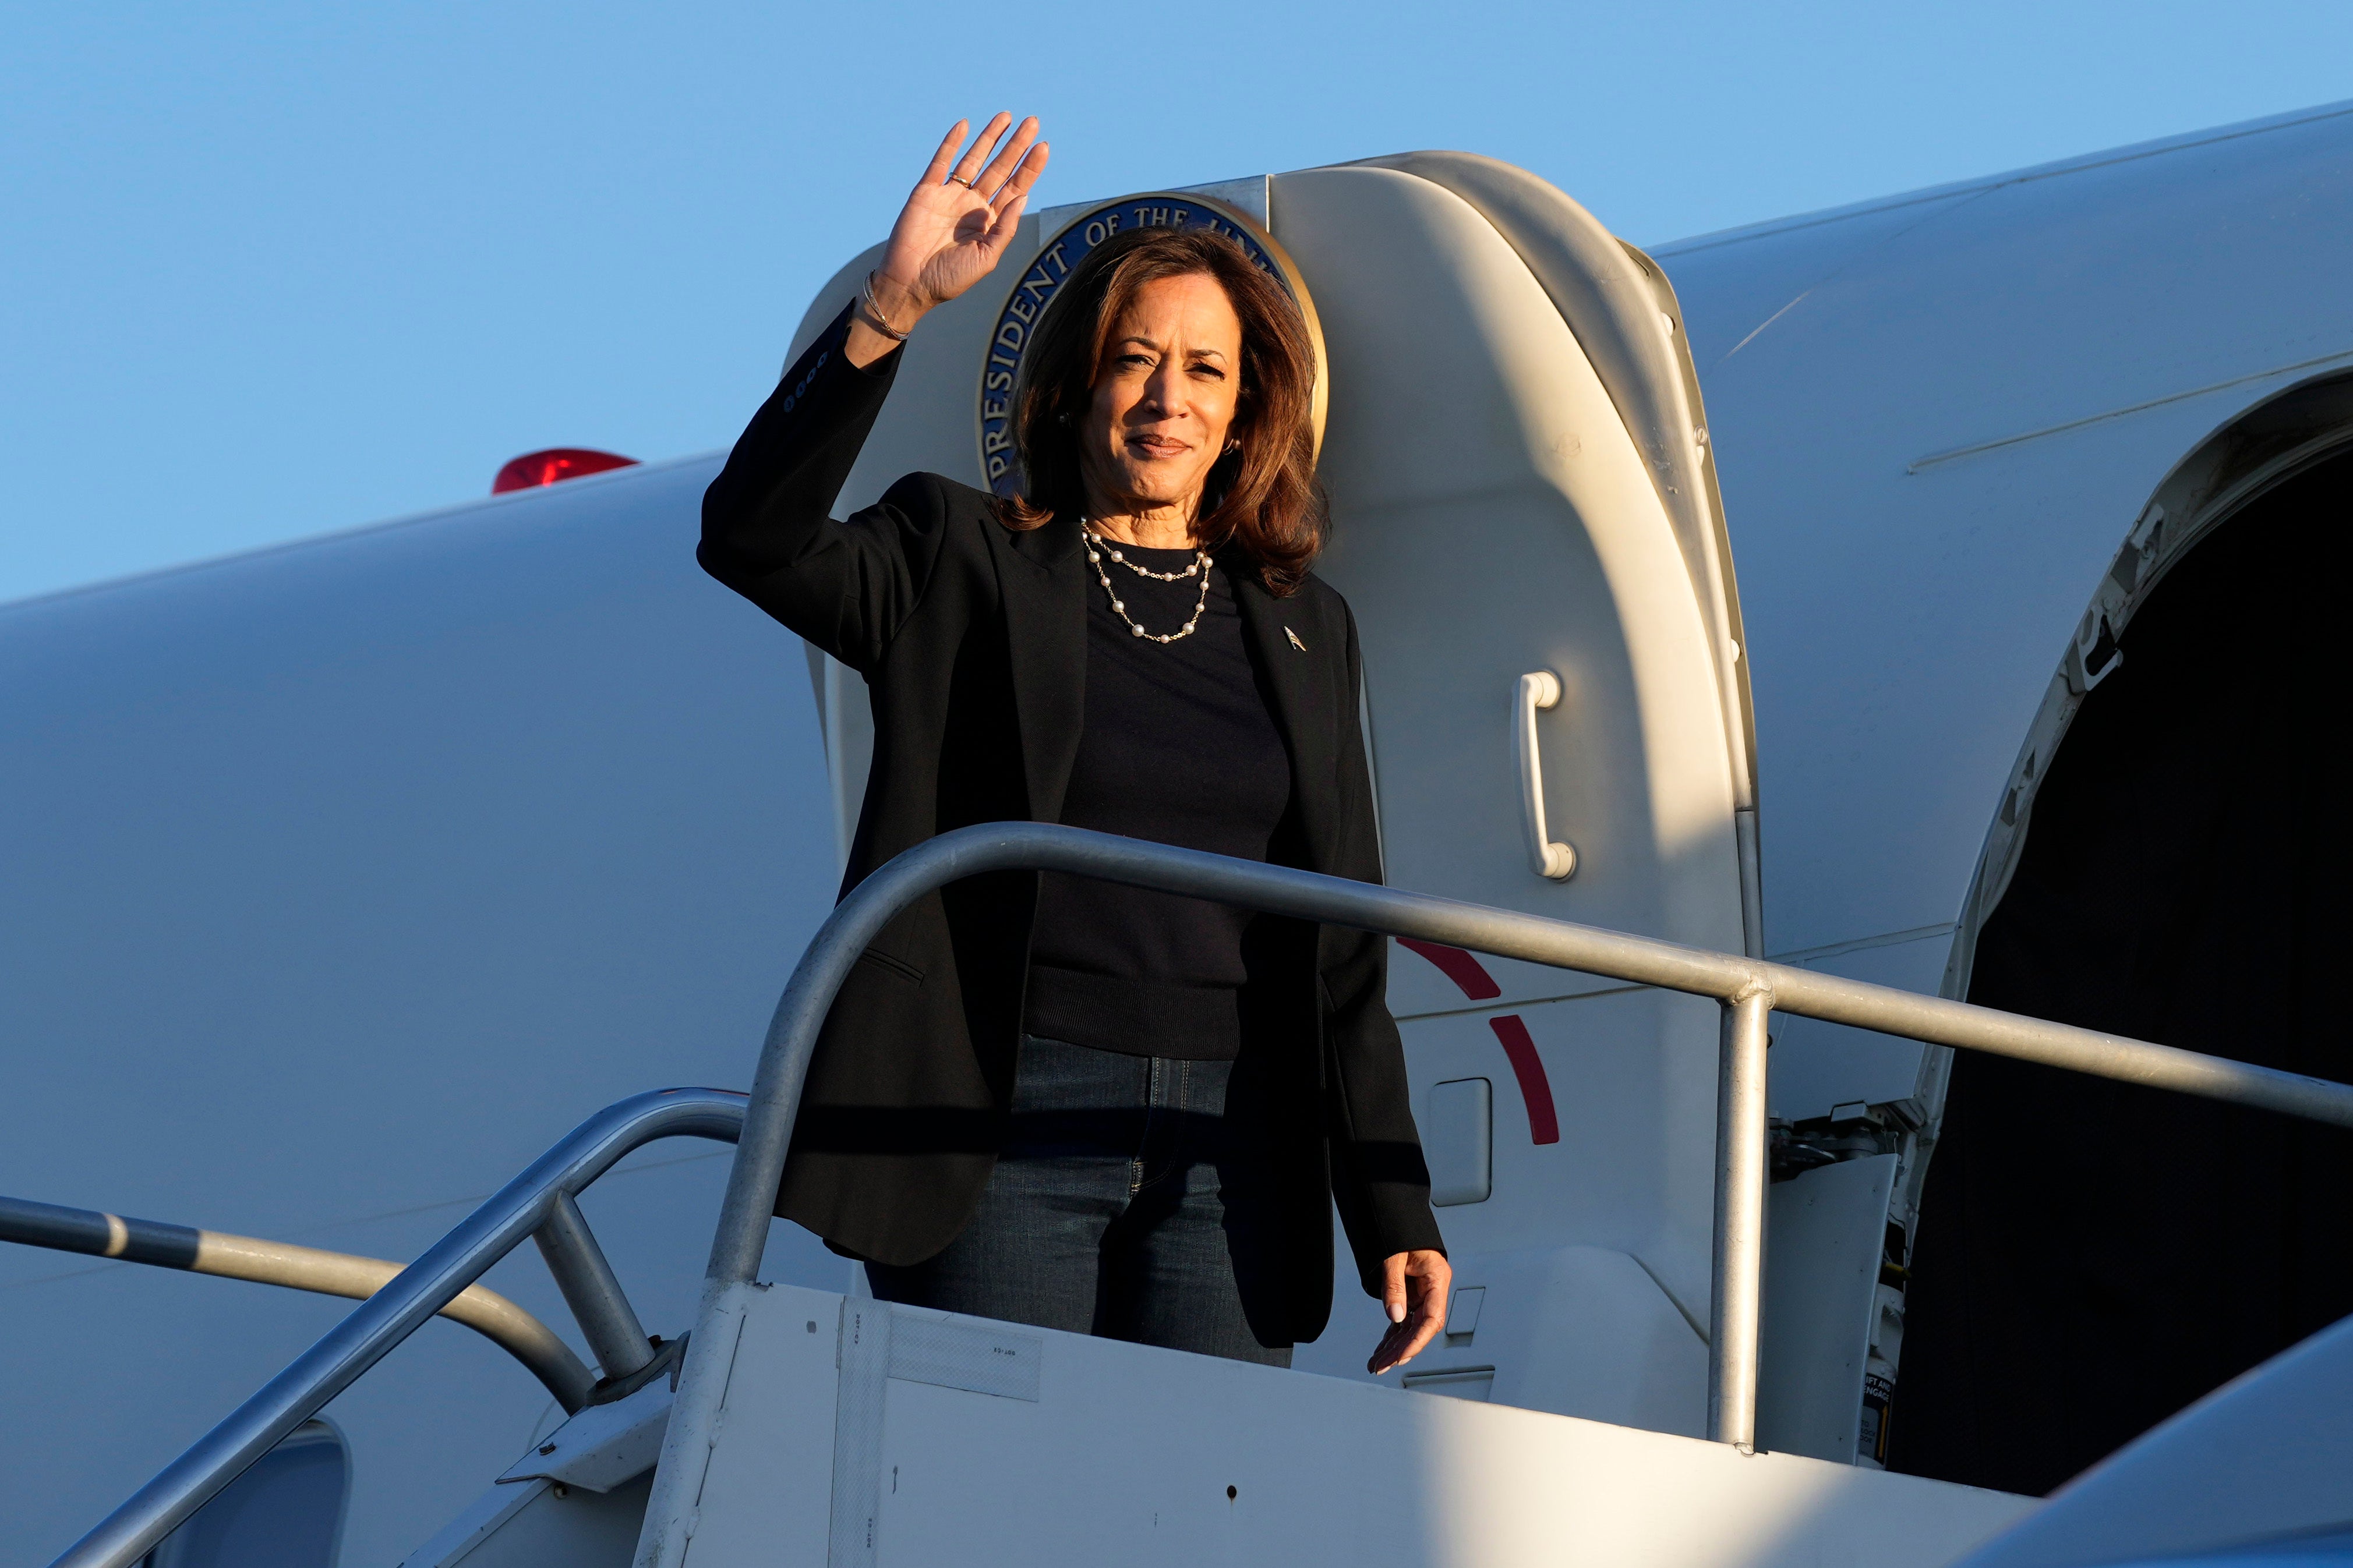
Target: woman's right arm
x,y
767,531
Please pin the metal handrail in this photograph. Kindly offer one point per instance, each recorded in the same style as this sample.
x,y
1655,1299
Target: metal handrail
x,y
512,1213
1747,989
94,1233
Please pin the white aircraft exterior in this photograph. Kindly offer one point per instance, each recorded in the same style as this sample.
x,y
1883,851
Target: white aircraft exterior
x,y
344,877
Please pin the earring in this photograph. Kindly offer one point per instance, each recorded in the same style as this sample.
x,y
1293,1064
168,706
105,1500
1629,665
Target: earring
x,y
1232,447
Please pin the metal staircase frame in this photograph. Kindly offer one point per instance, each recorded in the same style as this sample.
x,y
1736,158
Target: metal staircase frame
x,y
516,1212
1748,991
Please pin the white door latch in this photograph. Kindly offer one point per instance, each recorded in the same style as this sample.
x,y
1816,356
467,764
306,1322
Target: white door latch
x,y
1539,688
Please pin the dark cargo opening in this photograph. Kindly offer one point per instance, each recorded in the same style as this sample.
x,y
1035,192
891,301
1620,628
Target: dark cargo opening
x,y
2093,1256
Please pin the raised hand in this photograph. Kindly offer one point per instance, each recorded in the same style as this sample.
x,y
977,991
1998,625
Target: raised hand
x,y
960,215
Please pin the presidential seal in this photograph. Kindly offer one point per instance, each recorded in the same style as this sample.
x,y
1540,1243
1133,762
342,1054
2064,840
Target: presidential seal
x,y
1063,251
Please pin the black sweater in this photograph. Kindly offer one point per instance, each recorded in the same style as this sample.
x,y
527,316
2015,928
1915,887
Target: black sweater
x,y
1178,747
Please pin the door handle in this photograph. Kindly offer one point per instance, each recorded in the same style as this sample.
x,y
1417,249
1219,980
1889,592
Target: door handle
x,y
1547,858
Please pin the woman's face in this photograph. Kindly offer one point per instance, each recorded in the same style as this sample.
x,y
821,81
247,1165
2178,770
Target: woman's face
x,y
1164,398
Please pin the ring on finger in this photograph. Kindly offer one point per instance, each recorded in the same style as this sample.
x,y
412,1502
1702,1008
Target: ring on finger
x,y
960,180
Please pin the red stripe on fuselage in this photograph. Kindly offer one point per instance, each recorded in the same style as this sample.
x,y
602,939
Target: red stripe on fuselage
x,y
1464,969
1459,966
1536,1088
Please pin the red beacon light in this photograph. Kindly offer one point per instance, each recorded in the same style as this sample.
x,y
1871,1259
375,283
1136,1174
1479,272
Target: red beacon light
x,y
555,466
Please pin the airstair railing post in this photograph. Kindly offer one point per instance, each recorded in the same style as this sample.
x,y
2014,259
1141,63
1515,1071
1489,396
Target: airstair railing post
x,y
592,1289
1736,1295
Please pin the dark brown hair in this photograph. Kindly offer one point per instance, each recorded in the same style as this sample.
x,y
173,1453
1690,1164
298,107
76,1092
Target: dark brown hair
x,y
1262,498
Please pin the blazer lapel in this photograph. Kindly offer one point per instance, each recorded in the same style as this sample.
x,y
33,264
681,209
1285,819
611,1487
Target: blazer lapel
x,y
1293,670
1042,574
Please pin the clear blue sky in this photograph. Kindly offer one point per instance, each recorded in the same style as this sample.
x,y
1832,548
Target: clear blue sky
x,y
271,269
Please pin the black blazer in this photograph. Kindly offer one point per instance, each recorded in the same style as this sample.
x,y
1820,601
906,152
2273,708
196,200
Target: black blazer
x,y
972,638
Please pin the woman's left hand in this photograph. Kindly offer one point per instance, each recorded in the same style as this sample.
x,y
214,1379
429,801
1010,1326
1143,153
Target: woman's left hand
x,y
1414,1287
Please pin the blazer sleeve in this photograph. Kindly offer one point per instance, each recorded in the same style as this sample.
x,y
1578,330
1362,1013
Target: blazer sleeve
x,y
1379,1180
845,586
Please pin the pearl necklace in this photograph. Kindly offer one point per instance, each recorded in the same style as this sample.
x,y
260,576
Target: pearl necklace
x,y
1112,550
1098,546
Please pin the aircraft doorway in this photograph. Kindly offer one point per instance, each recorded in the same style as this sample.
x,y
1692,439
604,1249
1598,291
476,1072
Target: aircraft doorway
x,y
2092,1257
1521,486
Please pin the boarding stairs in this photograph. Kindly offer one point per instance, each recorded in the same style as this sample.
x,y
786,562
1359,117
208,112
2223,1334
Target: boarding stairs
x,y
801,1427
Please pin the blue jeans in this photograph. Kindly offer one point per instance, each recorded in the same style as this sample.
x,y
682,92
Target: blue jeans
x,y
1121,1206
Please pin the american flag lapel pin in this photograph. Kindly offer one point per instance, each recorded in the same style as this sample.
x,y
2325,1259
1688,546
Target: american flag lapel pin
x,y
1294,639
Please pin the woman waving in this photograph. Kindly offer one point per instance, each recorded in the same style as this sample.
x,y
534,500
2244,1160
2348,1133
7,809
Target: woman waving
x,y
1043,1098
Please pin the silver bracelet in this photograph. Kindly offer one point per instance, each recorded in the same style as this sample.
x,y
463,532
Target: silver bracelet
x,y
874,316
